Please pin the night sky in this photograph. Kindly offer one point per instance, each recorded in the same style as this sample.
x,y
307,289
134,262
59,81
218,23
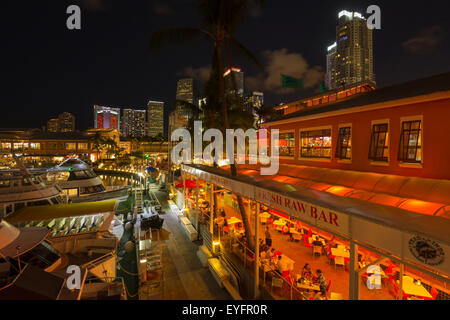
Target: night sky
x,y
48,69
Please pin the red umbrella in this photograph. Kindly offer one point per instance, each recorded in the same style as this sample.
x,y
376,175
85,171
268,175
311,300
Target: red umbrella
x,y
189,184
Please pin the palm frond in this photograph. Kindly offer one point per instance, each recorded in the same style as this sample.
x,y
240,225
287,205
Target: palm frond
x,y
240,48
177,36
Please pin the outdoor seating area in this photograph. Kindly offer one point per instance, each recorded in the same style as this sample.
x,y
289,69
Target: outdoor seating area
x,y
299,261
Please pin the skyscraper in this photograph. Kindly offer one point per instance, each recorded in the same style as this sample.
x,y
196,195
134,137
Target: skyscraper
x,y
239,78
134,123
106,118
331,69
53,125
185,92
66,122
155,118
353,57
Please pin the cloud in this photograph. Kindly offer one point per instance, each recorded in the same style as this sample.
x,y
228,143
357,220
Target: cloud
x,y
425,41
284,62
161,9
201,74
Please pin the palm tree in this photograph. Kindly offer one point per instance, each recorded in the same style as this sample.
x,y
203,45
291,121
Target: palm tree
x,y
98,143
220,19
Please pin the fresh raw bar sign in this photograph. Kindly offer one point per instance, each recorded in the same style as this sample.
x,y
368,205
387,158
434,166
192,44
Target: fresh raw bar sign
x,y
315,215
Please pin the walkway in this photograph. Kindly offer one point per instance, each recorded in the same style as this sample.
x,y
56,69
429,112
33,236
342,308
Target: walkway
x,y
185,277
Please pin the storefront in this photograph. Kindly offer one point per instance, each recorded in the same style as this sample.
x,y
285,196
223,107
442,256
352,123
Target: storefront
x,y
370,251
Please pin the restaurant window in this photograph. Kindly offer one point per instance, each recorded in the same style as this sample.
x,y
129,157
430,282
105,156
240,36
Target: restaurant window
x,y
316,144
6,145
82,146
411,142
287,144
35,146
344,145
379,144
71,146
18,145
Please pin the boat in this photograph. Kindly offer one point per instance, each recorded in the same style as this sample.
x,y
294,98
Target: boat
x,y
19,188
80,183
32,267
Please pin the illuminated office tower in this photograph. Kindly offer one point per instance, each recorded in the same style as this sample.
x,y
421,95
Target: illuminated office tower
x,y
134,123
106,118
155,118
53,125
230,85
66,122
331,68
185,92
353,56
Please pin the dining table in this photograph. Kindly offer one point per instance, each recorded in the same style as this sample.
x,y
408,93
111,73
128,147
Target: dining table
x,y
339,252
279,223
413,289
308,285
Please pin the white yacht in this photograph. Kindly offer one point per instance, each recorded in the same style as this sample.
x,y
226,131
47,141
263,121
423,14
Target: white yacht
x,y
19,189
80,183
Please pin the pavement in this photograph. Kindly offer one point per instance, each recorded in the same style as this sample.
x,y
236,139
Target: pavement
x,y
185,277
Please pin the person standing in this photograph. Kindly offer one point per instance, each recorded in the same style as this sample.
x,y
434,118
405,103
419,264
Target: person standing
x,y
268,237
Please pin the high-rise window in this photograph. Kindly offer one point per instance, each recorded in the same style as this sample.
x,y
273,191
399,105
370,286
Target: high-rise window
x,y
316,144
379,145
344,145
411,142
287,144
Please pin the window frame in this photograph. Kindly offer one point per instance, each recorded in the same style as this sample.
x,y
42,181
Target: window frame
x,y
388,146
408,164
319,159
339,159
288,157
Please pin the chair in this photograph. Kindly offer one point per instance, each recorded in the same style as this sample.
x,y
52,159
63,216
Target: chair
x,y
336,296
317,251
297,237
279,228
339,261
286,274
263,220
433,293
328,287
305,241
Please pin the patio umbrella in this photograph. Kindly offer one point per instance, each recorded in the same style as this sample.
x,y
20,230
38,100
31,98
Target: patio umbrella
x,y
189,184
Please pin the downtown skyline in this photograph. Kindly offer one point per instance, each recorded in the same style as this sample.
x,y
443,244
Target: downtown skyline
x,y
108,63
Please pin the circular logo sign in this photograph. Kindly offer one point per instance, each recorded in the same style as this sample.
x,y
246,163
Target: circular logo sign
x,y
426,251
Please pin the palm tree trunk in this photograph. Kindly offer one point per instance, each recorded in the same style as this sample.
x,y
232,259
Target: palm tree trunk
x,y
233,168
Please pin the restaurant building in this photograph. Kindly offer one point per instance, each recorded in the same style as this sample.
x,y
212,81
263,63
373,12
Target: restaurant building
x,y
363,189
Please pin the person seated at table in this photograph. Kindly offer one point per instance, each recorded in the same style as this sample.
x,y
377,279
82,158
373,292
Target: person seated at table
x,y
306,272
222,213
320,279
272,254
281,265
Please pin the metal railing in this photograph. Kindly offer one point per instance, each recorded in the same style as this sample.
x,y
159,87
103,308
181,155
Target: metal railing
x,y
283,287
